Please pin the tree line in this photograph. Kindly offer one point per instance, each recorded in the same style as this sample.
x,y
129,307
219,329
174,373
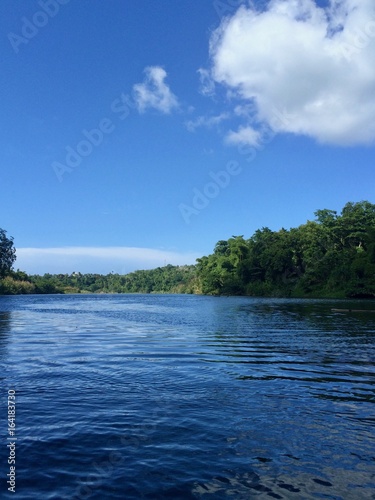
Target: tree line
x,y
331,256
168,279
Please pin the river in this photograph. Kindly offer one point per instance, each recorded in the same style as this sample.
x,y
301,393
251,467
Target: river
x,y
187,397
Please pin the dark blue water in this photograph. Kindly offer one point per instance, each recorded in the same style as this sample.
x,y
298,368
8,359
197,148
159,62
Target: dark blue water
x,y
185,397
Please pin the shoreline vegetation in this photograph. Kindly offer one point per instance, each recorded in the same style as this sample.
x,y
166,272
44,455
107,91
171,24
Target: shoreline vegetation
x,y
330,257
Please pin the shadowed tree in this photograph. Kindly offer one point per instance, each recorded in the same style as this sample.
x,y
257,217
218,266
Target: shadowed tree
x,y
7,253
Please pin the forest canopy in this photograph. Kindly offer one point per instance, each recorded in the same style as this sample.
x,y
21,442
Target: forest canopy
x,y
7,253
330,256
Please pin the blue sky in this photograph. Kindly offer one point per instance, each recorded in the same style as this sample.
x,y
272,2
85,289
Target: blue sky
x,y
139,133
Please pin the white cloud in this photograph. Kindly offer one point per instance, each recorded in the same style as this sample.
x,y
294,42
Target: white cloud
x,y
100,260
206,121
154,92
244,135
207,87
307,70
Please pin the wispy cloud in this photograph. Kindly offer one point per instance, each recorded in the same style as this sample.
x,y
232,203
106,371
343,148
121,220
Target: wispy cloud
x,y
206,121
100,260
207,84
154,93
315,64
244,135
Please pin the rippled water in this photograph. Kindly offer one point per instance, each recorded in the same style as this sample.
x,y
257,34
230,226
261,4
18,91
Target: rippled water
x,y
185,397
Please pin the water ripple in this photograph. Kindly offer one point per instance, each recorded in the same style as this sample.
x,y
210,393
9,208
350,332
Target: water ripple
x,y
145,396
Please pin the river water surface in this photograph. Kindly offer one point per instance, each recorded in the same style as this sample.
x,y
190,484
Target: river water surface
x,y
188,397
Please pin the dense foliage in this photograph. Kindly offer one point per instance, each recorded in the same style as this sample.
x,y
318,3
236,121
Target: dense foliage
x,y
332,256
168,279
7,253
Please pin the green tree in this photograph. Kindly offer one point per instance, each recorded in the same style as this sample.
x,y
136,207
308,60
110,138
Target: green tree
x,y
7,253
332,256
